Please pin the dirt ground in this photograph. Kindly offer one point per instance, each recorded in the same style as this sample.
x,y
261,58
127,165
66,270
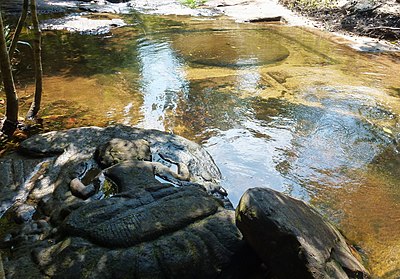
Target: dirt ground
x,y
372,18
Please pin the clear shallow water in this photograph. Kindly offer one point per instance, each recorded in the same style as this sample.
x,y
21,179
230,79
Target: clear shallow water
x,y
275,106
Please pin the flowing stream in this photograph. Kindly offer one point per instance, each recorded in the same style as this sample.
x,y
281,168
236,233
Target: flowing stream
x,y
276,106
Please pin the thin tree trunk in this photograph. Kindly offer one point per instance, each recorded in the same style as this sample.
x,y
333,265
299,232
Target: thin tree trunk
x,y
10,122
2,273
37,56
18,29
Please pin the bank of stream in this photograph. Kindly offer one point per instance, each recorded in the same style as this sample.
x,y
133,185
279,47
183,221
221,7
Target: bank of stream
x,y
276,106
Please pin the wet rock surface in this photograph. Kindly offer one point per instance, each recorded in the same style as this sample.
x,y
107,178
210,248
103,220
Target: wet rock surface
x,y
293,239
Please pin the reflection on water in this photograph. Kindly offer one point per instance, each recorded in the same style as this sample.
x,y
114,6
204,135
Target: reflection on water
x,y
162,83
333,134
246,160
277,107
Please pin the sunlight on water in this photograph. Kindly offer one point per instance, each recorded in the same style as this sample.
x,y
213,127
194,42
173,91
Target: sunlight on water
x,y
275,106
162,83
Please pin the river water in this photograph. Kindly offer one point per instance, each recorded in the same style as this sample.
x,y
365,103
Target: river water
x,y
276,106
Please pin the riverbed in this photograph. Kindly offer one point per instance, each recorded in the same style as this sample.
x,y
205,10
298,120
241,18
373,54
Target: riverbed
x,y
282,107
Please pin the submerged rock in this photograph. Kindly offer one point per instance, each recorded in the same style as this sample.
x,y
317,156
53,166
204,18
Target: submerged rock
x,y
255,49
293,239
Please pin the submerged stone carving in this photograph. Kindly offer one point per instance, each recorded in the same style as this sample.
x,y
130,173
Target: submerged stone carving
x,y
147,229
145,214
128,163
153,231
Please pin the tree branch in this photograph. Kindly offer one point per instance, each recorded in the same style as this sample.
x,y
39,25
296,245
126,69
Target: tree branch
x,y
18,29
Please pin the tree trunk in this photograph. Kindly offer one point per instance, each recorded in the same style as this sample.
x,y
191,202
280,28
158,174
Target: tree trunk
x,y
11,120
37,56
2,273
18,29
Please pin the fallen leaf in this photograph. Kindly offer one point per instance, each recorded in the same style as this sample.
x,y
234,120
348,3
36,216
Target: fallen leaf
x,y
386,130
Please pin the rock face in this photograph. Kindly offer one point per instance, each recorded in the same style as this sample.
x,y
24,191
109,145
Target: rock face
x,y
293,239
147,229
53,159
179,227
158,231
80,145
118,150
144,215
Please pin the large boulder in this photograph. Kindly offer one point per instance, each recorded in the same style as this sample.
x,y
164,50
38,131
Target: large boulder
x,y
148,228
158,231
48,162
293,239
80,144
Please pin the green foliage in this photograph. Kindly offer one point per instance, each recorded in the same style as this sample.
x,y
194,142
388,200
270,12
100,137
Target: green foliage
x,y
193,3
